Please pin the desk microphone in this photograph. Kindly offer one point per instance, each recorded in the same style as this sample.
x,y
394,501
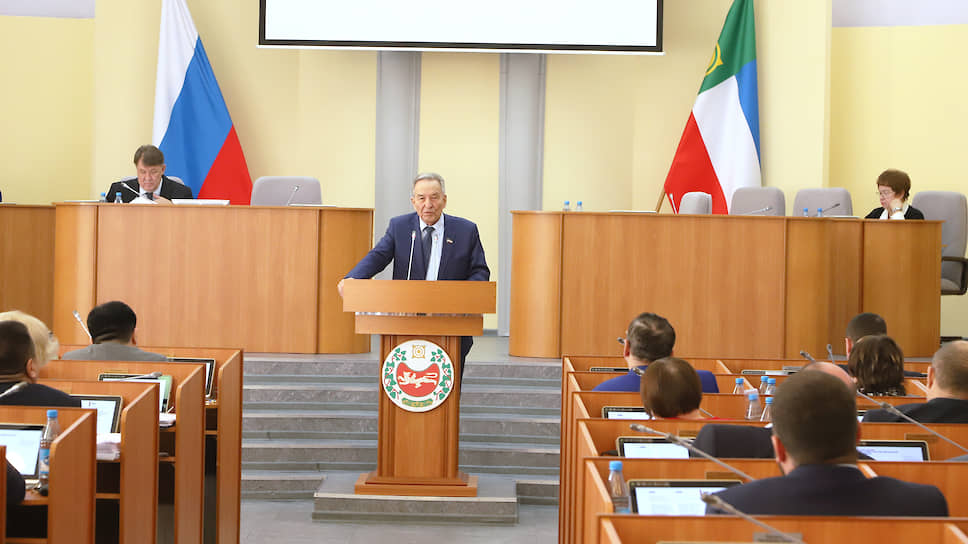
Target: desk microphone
x,y
718,502
761,210
413,237
80,322
807,356
830,352
125,185
825,210
149,376
292,195
678,441
16,387
890,408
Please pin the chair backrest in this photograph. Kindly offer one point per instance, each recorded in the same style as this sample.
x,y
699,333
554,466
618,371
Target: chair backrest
x,y
696,203
952,208
278,190
824,198
754,199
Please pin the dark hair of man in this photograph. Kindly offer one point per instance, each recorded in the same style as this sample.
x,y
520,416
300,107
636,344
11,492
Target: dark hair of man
x,y
877,363
16,347
815,418
650,337
950,365
111,321
149,155
898,181
865,324
670,387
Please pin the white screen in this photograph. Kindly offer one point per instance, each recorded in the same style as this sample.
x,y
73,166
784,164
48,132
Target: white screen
x,y
628,415
893,453
645,450
105,413
623,25
672,501
23,447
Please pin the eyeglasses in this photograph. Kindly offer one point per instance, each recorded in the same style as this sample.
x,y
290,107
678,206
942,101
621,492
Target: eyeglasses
x,y
886,193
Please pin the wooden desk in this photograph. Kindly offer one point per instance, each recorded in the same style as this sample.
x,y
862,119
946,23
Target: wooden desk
x,y
260,278
27,259
795,281
70,502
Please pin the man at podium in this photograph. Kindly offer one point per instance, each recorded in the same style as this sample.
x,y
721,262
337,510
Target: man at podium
x,y
427,245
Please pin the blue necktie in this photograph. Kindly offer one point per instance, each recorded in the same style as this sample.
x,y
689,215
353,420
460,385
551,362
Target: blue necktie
x,y
428,242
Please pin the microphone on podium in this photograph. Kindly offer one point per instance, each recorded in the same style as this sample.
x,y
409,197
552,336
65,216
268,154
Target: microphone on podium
x,y
292,195
807,356
830,352
128,187
637,427
825,210
149,376
718,502
80,322
890,408
761,210
413,237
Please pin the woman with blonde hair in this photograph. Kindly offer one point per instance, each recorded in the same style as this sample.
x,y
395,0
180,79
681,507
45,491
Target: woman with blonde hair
x,y
26,346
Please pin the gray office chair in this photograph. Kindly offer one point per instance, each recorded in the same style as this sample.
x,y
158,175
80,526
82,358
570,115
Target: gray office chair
x,y
696,203
284,190
833,200
952,208
758,201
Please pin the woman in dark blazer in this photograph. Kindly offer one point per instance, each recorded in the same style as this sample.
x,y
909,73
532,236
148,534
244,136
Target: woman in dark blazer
x,y
894,188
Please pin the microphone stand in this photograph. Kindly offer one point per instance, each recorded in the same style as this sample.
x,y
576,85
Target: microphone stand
x,y
413,237
890,408
718,502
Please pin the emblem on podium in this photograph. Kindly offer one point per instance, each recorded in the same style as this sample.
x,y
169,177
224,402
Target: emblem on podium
x,y
417,375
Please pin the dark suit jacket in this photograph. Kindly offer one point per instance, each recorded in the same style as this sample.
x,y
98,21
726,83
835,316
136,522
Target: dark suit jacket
x,y
940,410
734,441
833,490
461,256
16,488
35,394
169,189
632,382
911,213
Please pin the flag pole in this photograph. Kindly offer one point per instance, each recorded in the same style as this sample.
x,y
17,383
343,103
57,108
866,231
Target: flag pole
x,y
662,195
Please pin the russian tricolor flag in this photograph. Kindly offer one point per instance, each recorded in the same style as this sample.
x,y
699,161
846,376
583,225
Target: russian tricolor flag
x,y
192,126
720,147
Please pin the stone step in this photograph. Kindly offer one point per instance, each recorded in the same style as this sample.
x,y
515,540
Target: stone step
x,y
279,484
372,380
465,409
362,425
357,366
360,395
537,491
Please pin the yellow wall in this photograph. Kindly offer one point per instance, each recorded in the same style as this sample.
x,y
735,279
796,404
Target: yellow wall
x,y
46,115
897,101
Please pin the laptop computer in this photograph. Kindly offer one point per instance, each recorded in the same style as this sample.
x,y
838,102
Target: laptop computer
x,y
163,381
608,369
624,412
209,370
673,497
23,447
895,450
108,411
649,447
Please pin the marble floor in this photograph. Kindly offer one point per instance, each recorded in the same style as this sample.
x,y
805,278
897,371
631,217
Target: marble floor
x,y
290,522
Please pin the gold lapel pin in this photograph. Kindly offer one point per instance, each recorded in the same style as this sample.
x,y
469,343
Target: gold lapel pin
x,y
449,241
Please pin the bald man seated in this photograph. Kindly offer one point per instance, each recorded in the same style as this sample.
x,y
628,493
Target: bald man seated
x,y
947,390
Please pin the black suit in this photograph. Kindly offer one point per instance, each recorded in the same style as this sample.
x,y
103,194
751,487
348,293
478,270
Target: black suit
x,y
833,490
35,394
940,410
169,189
911,213
734,441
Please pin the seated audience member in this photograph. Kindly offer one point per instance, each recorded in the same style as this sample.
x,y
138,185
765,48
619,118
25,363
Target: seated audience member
x,y
815,434
112,327
947,390
650,337
16,487
877,365
671,389
152,183
861,325
893,190
17,367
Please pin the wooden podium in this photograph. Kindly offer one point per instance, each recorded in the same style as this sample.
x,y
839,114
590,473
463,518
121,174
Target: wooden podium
x,y
417,445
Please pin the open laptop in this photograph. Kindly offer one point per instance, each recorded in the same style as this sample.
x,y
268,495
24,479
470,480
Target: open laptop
x,y
608,369
164,384
209,370
108,411
23,447
624,412
673,497
895,450
649,447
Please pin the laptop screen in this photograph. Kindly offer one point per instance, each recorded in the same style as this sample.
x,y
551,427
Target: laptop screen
x,y
23,446
650,447
164,385
894,450
108,410
209,370
624,412
673,497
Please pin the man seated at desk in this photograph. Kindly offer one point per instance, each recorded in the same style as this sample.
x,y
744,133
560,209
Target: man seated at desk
x,y
151,183
815,434
947,390
112,327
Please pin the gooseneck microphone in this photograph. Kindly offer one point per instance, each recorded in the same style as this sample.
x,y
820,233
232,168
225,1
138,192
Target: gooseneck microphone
x,y
830,352
149,376
761,210
16,387
678,441
292,195
126,186
413,237
825,210
718,502
890,408
807,356
80,322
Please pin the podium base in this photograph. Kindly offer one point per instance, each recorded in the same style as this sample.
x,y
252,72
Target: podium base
x,y
362,487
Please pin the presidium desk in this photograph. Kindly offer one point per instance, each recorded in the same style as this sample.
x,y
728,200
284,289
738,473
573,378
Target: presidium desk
x,y
258,278
731,286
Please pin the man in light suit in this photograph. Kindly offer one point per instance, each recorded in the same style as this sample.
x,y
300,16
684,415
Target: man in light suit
x,y
151,182
815,434
445,247
112,327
